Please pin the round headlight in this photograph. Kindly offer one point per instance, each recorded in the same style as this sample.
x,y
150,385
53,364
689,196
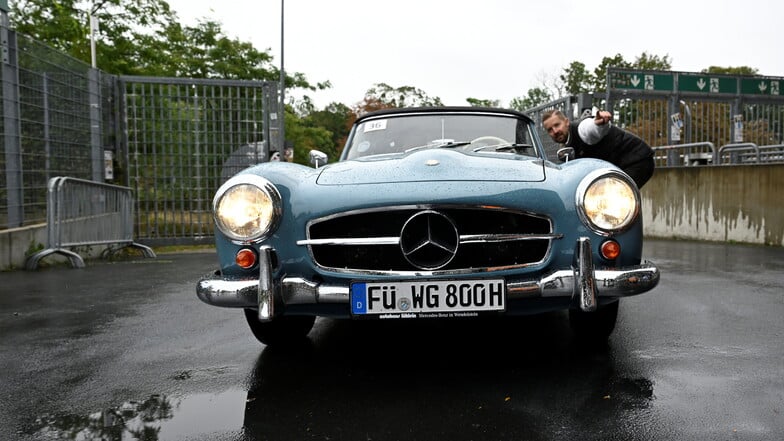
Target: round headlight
x,y
608,201
247,207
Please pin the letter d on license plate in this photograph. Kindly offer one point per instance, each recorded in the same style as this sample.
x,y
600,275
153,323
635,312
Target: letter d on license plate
x,y
432,296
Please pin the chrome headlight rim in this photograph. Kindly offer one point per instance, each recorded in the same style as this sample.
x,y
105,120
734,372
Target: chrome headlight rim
x,y
264,186
592,178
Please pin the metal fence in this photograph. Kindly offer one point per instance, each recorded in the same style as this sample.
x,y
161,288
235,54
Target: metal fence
x,y
173,141
81,213
47,123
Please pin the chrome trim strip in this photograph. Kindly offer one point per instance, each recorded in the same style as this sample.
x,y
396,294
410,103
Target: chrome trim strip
x,y
333,294
266,300
297,291
584,275
494,238
466,238
352,241
213,290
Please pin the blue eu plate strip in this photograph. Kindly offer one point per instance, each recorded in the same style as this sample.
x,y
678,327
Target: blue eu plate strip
x,y
358,304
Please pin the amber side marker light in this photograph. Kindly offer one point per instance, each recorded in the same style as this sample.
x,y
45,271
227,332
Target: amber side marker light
x,y
245,258
610,249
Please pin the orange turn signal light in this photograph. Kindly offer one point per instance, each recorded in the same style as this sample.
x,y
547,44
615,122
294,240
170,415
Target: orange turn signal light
x,y
610,249
246,258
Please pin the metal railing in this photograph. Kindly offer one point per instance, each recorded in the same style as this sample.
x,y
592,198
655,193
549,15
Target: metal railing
x,y
738,153
679,155
771,153
80,213
705,153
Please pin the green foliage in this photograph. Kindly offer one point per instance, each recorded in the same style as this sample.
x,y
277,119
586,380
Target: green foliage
x,y
740,70
145,37
476,102
535,97
33,248
600,73
129,30
405,96
576,78
647,61
336,118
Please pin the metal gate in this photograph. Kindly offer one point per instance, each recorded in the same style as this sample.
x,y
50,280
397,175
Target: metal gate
x,y
183,139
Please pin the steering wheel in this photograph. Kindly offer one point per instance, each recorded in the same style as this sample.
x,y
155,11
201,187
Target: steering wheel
x,y
489,140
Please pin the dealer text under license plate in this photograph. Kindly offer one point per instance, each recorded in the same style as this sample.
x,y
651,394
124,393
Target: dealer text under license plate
x,y
427,299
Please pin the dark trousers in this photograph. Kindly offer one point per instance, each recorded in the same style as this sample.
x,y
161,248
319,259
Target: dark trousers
x,y
640,171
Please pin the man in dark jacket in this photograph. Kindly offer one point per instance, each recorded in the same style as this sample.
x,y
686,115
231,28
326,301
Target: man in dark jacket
x,y
598,138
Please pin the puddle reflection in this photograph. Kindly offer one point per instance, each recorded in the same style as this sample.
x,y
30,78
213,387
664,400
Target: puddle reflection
x,y
156,418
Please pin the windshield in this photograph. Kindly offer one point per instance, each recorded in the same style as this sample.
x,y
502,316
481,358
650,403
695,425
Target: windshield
x,y
468,132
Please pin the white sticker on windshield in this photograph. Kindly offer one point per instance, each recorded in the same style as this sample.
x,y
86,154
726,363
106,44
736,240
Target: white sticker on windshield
x,y
372,126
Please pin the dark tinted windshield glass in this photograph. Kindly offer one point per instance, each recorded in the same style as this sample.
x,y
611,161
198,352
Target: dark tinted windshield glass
x,y
467,132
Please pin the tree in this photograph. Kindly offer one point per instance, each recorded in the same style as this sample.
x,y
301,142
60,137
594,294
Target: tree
x,y
305,138
144,37
129,31
406,96
535,97
600,73
577,78
337,118
739,70
476,102
647,61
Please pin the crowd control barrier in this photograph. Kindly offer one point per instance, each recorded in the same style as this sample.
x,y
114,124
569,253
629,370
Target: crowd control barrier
x,y
81,213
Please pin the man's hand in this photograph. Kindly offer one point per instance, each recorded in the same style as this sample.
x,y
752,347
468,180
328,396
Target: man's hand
x,y
602,117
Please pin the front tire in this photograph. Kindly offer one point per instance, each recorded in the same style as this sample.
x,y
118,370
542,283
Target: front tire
x,y
595,326
280,330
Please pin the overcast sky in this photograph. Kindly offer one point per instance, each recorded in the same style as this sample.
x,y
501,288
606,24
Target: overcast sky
x,y
492,49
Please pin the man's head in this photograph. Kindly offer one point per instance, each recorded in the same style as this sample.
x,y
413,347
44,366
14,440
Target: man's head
x,y
557,125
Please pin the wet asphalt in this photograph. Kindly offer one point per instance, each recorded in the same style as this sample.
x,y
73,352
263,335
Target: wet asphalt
x,y
124,350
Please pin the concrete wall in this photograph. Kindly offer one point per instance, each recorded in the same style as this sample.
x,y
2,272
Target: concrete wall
x,y
16,243
725,203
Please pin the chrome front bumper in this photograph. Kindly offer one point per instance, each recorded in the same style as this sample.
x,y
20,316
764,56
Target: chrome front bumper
x,y
582,282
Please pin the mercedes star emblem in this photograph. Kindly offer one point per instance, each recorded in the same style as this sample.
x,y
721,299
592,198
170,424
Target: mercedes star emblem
x,y
429,240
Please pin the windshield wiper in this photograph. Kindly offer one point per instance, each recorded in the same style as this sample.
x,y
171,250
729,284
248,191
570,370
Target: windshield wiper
x,y
517,148
445,145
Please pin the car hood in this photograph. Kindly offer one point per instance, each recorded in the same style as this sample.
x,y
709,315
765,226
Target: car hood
x,y
434,165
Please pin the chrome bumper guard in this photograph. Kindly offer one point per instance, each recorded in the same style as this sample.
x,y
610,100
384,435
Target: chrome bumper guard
x,y
582,282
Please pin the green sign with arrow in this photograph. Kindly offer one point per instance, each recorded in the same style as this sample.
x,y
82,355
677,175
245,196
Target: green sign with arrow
x,y
707,84
761,86
642,81
628,81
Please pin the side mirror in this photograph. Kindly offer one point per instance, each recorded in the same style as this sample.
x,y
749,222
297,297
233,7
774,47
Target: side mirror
x,y
317,158
565,154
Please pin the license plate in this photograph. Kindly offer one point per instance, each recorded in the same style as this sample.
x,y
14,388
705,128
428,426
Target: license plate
x,y
432,298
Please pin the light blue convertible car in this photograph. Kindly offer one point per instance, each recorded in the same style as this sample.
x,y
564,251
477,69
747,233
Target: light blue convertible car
x,y
438,213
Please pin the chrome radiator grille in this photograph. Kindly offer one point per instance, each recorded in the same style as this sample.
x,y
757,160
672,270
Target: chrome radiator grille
x,y
429,239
